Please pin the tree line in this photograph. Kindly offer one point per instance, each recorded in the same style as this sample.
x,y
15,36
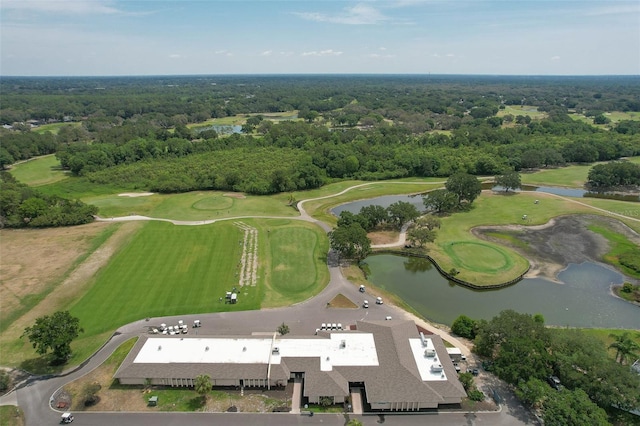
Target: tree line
x,y
519,349
22,206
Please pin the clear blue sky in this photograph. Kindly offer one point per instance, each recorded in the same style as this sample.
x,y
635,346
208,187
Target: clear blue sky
x,y
126,37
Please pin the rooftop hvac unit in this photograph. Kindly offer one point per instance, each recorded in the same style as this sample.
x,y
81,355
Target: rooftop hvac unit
x,y
423,339
343,344
275,351
429,352
436,368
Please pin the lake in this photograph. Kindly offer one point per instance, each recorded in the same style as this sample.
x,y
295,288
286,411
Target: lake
x,y
583,299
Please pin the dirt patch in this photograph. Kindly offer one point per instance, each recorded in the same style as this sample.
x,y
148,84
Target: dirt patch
x,y
551,247
78,280
341,301
383,237
234,195
33,259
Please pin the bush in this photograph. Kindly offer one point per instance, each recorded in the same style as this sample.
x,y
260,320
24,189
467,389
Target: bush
x,y
90,393
476,395
325,401
464,326
627,287
5,381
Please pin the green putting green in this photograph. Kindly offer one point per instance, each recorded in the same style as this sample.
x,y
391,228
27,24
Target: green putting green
x,y
478,256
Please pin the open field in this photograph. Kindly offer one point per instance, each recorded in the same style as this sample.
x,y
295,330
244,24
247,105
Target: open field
x,y
523,110
614,116
58,251
11,415
39,171
241,119
574,176
54,127
198,205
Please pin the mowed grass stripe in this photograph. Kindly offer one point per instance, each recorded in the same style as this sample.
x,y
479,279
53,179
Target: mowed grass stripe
x,y
292,250
165,270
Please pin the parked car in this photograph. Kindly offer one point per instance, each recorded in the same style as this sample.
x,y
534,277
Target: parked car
x,y
554,382
361,289
379,300
365,304
475,371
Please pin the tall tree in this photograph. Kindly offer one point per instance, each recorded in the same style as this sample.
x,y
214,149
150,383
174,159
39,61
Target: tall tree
x,y
55,333
350,241
509,180
402,212
572,408
465,186
283,329
440,201
624,345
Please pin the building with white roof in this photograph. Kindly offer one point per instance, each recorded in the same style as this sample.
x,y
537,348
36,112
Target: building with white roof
x,y
396,367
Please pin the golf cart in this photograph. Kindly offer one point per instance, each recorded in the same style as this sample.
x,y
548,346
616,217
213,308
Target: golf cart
x,y
66,418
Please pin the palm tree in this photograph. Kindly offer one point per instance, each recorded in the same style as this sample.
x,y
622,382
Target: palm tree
x,y
202,385
624,345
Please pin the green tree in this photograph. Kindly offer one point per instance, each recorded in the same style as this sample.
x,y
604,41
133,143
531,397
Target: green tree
x,y
464,326
5,381
624,345
532,392
465,186
283,329
509,180
572,408
55,333
375,215
419,235
202,385
402,212
440,201
350,241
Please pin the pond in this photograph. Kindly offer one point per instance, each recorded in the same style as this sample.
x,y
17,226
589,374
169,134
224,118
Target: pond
x,y
386,200
222,129
583,299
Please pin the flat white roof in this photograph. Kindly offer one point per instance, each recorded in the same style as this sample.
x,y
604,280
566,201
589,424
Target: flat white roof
x,y
424,362
359,349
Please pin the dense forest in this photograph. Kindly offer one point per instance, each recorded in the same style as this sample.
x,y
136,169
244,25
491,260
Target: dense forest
x,y
139,131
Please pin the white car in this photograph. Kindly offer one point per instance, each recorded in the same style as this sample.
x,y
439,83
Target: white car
x,y
379,300
365,304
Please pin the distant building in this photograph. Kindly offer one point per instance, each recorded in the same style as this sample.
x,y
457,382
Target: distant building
x,y
398,368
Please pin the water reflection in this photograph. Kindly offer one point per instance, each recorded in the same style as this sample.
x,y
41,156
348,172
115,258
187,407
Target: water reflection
x,y
583,299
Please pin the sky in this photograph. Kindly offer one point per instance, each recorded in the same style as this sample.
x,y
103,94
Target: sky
x,y
507,37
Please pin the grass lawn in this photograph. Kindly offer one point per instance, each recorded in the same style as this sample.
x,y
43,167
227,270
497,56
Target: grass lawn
x,y
172,270
54,127
197,205
39,171
619,245
166,270
481,262
531,111
11,415
571,176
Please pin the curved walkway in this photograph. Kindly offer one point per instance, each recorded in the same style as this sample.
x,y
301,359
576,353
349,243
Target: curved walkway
x,y
35,394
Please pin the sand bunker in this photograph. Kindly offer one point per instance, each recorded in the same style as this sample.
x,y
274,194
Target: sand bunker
x,y
135,194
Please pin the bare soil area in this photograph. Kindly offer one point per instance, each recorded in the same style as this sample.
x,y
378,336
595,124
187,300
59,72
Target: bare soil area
x,y
33,259
40,254
383,237
551,247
